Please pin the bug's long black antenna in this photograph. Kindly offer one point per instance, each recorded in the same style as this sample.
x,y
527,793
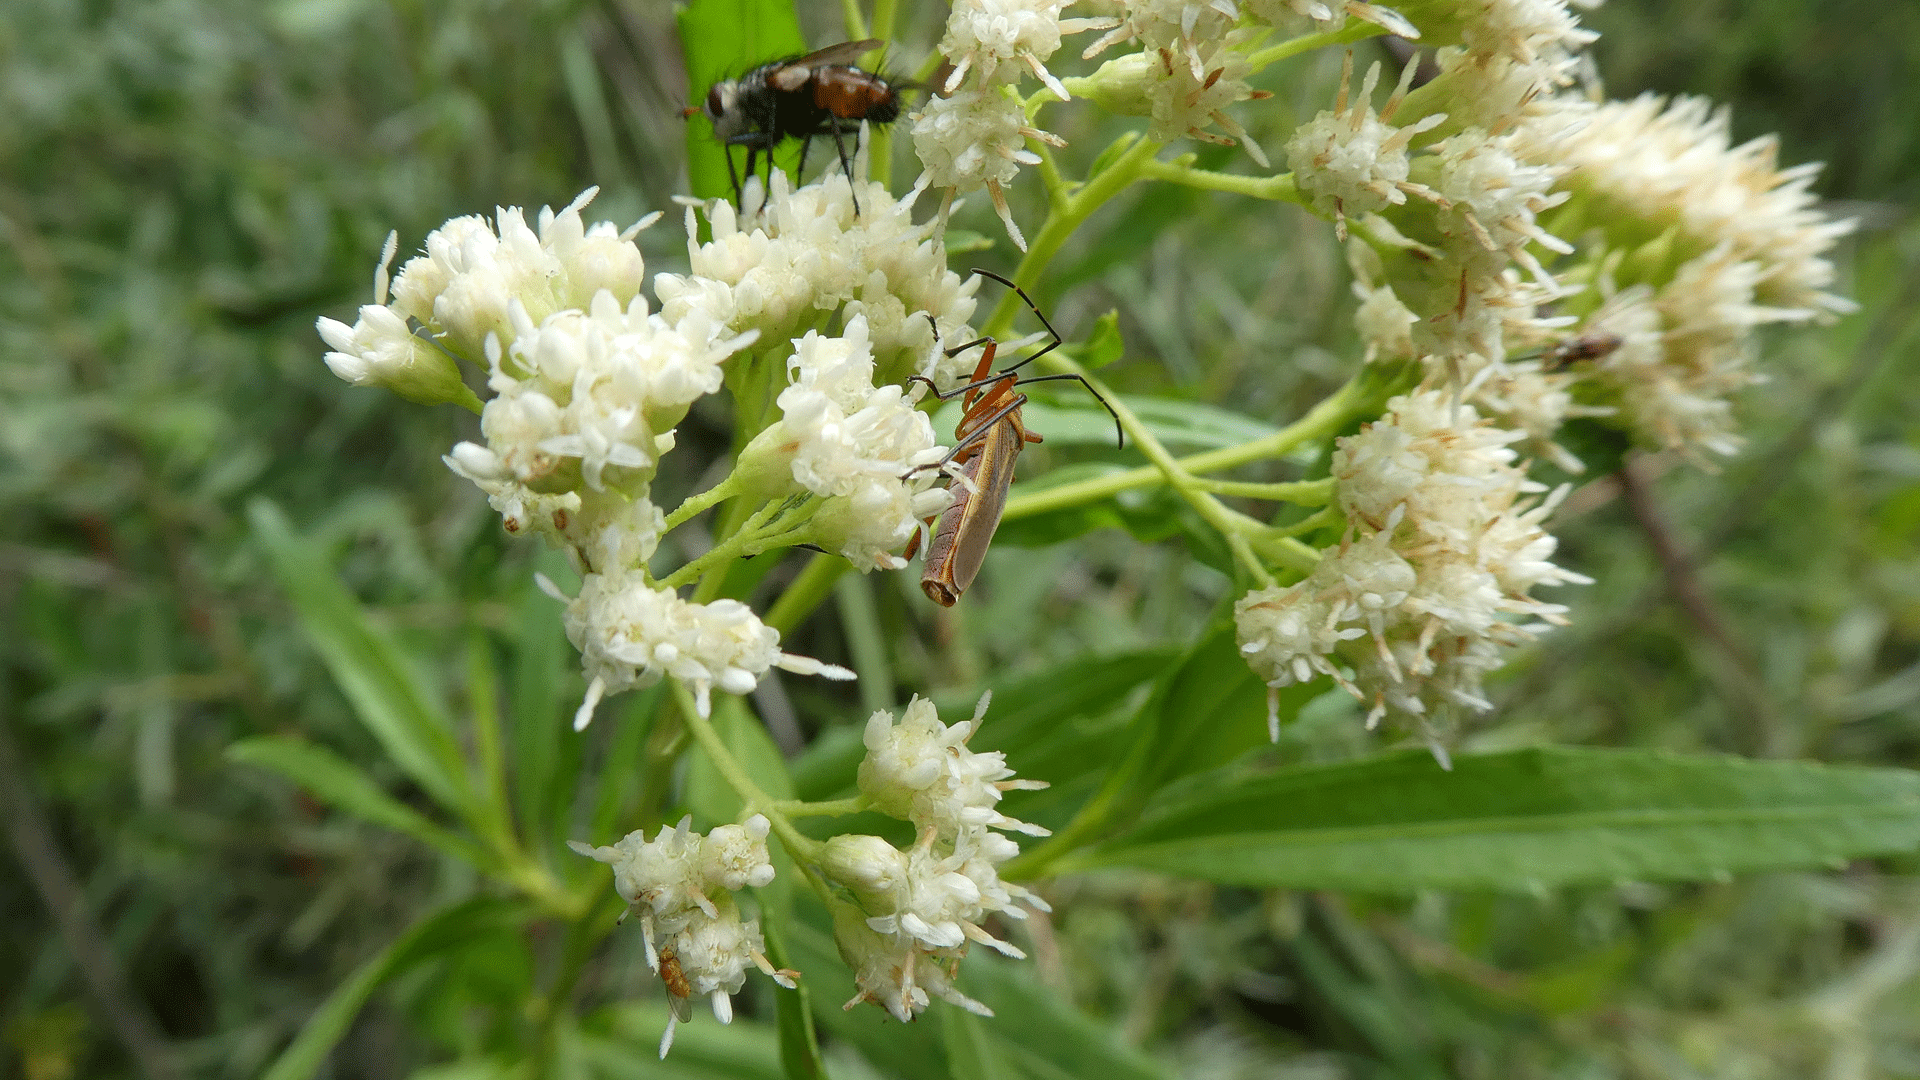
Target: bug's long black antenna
x,y
1031,306
1119,431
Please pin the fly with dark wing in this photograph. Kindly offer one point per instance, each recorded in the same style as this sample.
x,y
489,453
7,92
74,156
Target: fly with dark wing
x,y
800,97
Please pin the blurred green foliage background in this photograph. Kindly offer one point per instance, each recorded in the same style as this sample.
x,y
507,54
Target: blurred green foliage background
x,y
186,184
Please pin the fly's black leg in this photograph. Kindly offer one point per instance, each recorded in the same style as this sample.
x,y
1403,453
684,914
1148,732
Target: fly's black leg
x,y
732,175
846,163
806,144
753,159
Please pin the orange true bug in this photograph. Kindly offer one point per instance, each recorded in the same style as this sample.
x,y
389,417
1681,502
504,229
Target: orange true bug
x,y
987,440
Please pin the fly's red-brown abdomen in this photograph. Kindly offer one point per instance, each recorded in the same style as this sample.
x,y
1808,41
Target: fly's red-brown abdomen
x,y
852,94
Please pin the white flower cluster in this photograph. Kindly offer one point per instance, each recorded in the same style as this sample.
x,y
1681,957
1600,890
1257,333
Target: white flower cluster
x,y
1444,550
472,272
975,136
864,449
681,884
1350,159
800,253
630,633
1674,163
1502,57
462,290
919,909
591,396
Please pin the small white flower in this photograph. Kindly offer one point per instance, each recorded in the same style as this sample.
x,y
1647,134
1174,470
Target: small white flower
x,y
464,285
630,634
1495,197
681,884
735,856
1446,552
891,973
1384,324
379,349
986,37
803,253
976,138
922,771
1672,161
1185,100
1351,160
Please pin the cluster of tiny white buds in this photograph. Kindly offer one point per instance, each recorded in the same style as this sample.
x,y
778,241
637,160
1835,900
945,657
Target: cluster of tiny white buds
x,y
864,449
799,253
1495,197
1443,553
995,39
976,138
1350,159
681,884
920,908
381,349
631,633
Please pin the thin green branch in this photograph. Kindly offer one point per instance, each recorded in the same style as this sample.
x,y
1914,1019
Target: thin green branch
x,y
719,492
796,808
1064,219
754,800
1329,416
1292,47
1298,492
734,546
1234,526
1279,188
807,591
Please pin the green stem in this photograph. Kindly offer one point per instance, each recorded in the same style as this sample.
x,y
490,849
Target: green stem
x,y
866,643
807,591
1063,219
726,550
856,23
719,492
1321,421
802,848
1279,188
1299,492
795,808
1292,47
1232,525
1325,516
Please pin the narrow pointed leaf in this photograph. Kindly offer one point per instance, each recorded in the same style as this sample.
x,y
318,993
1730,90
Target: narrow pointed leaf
x,y
1521,820
368,665
341,784
448,928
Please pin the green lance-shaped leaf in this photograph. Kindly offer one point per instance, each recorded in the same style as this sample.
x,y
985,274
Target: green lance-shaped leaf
x,y
1522,819
799,1039
371,669
446,929
724,39
342,784
973,1053
543,690
1040,1033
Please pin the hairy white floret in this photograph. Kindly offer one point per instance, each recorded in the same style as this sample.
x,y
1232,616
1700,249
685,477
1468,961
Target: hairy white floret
x,y
473,270
631,634
681,884
921,770
976,138
1350,159
997,41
